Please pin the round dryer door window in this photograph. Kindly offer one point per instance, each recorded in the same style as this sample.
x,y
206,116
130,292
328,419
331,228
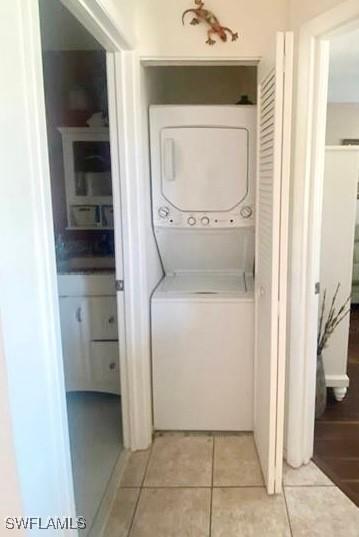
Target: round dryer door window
x,y
204,168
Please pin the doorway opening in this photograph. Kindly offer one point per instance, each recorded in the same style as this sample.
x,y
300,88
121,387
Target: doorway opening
x,y
336,437
207,245
306,225
81,169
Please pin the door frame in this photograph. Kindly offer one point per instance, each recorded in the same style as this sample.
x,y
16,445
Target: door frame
x,y
47,365
307,190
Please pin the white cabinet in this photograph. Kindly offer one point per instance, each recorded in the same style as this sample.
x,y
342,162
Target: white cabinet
x,y
105,372
89,333
75,341
103,318
88,181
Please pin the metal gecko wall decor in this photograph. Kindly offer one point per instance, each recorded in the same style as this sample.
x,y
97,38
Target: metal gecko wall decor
x,y
206,16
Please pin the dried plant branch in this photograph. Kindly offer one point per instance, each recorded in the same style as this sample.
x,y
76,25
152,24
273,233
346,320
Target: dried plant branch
x,y
321,317
334,318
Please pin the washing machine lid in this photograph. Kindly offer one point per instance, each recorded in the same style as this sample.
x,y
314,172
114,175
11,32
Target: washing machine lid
x,y
204,168
205,285
203,282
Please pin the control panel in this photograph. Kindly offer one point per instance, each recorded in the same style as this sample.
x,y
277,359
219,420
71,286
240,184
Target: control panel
x,y
166,216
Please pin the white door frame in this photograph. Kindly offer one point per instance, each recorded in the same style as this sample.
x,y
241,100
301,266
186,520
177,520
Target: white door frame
x,y
33,354
308,171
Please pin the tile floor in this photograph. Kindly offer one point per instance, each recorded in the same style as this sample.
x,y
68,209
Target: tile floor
x,y
198,485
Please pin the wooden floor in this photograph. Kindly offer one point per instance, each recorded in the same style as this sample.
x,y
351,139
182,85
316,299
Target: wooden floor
x,y
336,444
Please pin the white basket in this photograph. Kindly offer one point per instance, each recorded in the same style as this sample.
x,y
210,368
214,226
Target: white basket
x,y
84,215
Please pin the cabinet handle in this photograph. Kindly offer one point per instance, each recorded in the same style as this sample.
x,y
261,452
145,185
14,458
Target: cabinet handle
x,y
111,319
112,365
79,314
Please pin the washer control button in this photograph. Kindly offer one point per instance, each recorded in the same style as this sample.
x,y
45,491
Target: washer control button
x,y
246,212
205,220
191,221
163,212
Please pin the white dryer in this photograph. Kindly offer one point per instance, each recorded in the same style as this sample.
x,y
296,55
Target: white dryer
x,y
203,166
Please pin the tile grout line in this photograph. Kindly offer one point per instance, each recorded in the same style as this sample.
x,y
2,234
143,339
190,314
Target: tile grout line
x,y
142,485
212,481
140,489
134,512
202,487
288,486
287,510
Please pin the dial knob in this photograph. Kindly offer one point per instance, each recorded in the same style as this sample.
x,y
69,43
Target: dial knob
x,y
205,220
191,220
246,212
163,212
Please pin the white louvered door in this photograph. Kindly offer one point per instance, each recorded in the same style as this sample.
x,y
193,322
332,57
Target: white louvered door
x,y
274,114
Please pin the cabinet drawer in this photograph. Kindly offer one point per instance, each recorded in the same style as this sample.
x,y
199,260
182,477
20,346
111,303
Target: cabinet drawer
x,y
103,318
105,369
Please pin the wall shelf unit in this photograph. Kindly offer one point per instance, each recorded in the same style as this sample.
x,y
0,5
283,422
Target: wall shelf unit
x,y
88,182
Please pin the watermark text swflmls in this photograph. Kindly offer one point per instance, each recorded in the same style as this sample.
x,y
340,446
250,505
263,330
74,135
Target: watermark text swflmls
x,y
50,523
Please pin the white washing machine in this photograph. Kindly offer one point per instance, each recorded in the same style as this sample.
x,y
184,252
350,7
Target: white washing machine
x,y
203,168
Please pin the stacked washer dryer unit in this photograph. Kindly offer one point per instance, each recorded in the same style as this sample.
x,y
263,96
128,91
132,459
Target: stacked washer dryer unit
x,y
203,177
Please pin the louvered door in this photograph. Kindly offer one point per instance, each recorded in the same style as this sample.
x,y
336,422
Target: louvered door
x,y
274,110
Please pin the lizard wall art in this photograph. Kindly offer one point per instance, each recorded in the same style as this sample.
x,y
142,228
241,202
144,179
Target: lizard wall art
x,y
206,16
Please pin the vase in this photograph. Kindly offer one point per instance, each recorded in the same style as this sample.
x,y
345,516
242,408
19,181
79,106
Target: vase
x,y
321,389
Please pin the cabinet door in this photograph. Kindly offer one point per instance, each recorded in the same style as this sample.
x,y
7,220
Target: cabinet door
x,y
75,341
105,369
103,318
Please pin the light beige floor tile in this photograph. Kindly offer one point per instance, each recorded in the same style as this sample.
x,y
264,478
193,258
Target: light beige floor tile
x,y
321,512
236,461
180,460
248,512
307,475
135,469
173,513
122,512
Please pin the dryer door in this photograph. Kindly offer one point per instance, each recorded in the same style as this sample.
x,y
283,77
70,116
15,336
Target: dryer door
x,y
204,168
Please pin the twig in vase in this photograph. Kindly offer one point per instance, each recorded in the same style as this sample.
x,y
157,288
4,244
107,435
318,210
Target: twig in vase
x,y
333,320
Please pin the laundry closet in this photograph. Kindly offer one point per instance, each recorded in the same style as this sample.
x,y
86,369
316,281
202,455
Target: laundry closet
x,y
216,213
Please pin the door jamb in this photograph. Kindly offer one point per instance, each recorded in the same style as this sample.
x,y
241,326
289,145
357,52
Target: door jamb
x,y
308,170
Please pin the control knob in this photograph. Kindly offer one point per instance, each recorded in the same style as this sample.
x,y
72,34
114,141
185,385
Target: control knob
x,y
205,220
191,220
246,212
163,212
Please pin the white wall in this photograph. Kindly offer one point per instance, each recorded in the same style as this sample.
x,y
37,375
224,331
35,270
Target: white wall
x,y
337,245
301,11
342,122
36,395
10,502
160,32
122,13
344,68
